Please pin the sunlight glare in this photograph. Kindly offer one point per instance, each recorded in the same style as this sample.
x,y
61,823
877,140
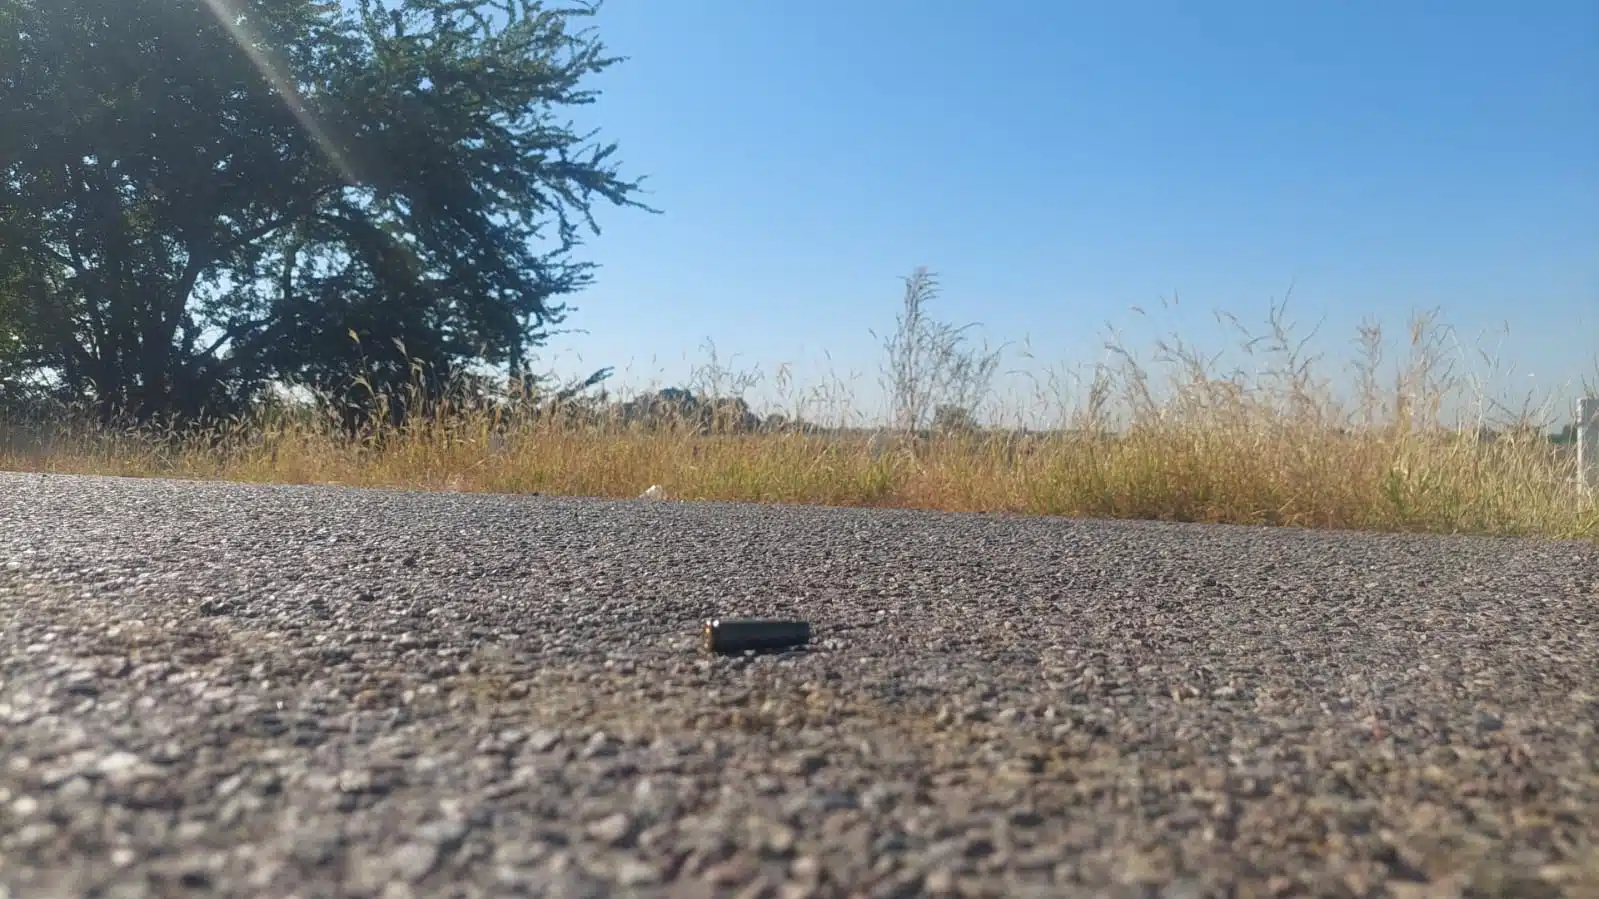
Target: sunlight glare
x,y
239,30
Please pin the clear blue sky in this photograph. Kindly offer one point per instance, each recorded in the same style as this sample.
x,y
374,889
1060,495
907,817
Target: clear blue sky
x,y
1058,162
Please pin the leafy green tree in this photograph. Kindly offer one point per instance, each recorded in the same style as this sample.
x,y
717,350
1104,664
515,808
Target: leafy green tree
x,y
10,334
229,189
19,290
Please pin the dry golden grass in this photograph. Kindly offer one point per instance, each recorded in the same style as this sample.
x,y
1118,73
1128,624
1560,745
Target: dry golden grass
x,y
1283,475
1274,449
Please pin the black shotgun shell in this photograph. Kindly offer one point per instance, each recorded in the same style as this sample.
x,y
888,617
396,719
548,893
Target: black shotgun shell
x,y
725,635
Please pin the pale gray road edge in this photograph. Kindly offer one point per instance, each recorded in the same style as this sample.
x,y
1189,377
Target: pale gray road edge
x,y
224,690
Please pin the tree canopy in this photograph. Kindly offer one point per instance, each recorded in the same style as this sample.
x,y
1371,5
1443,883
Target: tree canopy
x,y
200,196
10,332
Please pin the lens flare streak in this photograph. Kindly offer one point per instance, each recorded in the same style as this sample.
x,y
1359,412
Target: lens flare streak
x,y
254,49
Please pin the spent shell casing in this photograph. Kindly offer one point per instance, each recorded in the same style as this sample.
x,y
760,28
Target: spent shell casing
x,y
724,635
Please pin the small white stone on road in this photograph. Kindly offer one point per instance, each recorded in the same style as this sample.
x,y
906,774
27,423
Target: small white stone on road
x,y
120,767
630,872
611,829
415,860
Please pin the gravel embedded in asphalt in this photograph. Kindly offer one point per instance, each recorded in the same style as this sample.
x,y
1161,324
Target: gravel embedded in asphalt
x,y
229,690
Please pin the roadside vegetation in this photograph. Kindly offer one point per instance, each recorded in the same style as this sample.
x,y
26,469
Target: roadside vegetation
x,y
356,287
1167,439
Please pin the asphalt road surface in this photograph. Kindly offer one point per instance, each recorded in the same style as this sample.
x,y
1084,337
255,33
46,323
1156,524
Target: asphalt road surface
x,y
222,690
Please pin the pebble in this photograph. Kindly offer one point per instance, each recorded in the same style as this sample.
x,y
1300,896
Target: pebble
x,y
415,860
611,829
